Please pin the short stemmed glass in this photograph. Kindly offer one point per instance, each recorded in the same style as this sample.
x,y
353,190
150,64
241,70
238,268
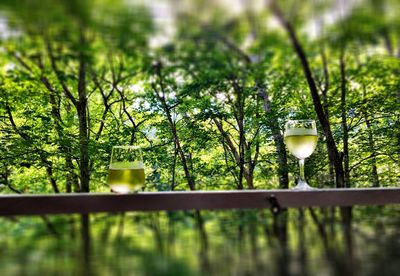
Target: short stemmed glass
x,y
301,140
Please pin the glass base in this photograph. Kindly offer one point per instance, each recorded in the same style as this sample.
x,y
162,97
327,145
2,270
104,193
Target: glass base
x,y
302,186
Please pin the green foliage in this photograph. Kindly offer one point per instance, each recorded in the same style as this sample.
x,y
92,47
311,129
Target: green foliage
x,y
214,65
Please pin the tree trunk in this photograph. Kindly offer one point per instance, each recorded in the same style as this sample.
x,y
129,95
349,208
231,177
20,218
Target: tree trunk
x,y
388,43
343,113
167,109
203,254
173,173
281,153
71,177
236,156
188,175
80,105
326,110
371,144
332,148
278,140
49,171
226,150
249,179
242,138
244,171
83,119
397,72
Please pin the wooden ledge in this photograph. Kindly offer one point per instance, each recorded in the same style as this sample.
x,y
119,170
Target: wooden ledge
x,y
168,201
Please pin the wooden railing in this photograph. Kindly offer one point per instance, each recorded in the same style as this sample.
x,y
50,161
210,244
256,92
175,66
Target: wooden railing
x,y
167,201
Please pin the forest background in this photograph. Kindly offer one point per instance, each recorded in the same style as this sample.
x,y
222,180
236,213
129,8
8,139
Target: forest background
x,y
204,87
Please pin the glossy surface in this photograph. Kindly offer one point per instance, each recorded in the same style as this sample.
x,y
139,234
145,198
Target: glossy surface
x,y
361,241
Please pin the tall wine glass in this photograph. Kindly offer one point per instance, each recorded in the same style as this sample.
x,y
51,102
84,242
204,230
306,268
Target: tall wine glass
x,y
301,139
126,172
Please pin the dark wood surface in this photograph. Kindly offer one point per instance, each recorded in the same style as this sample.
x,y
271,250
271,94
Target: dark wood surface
x,y
158,201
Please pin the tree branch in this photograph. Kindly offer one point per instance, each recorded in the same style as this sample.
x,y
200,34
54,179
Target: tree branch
x,y
57,72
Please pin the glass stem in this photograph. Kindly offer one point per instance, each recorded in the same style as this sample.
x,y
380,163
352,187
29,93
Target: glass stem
x,y
301,165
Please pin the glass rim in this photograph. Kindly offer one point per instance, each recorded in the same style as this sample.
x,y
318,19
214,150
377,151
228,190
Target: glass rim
x,y
127,147
302,120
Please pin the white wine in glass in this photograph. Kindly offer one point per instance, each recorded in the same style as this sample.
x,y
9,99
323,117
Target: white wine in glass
x,y
126,172
301,140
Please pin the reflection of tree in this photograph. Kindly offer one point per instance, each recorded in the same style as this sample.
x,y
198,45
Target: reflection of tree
x,y
203,254
385,255
158,235
302,254
339,250
280,224
298,243
86,266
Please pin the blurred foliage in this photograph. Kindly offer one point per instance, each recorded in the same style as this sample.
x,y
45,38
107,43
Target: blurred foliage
x,y
170,243
207,50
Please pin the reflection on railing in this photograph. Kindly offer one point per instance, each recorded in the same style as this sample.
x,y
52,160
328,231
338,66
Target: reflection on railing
x,y
86,250
306,241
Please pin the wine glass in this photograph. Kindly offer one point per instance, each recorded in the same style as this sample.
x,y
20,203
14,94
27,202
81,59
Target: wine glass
x,y
126,172
301,139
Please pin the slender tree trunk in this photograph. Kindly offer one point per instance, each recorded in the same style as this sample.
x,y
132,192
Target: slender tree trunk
x,y
173,184
71,177
189,178
388,43
83,119
226,152
245,172
6,181
398,49
278,140
397,72
188,175
371,144
343,113
53,182
248,171
80,105
332,148
325,102
167,109
236,156
242,139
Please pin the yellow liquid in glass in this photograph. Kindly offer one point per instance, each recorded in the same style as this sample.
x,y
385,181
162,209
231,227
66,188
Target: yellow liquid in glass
x,y
301,146
125,180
